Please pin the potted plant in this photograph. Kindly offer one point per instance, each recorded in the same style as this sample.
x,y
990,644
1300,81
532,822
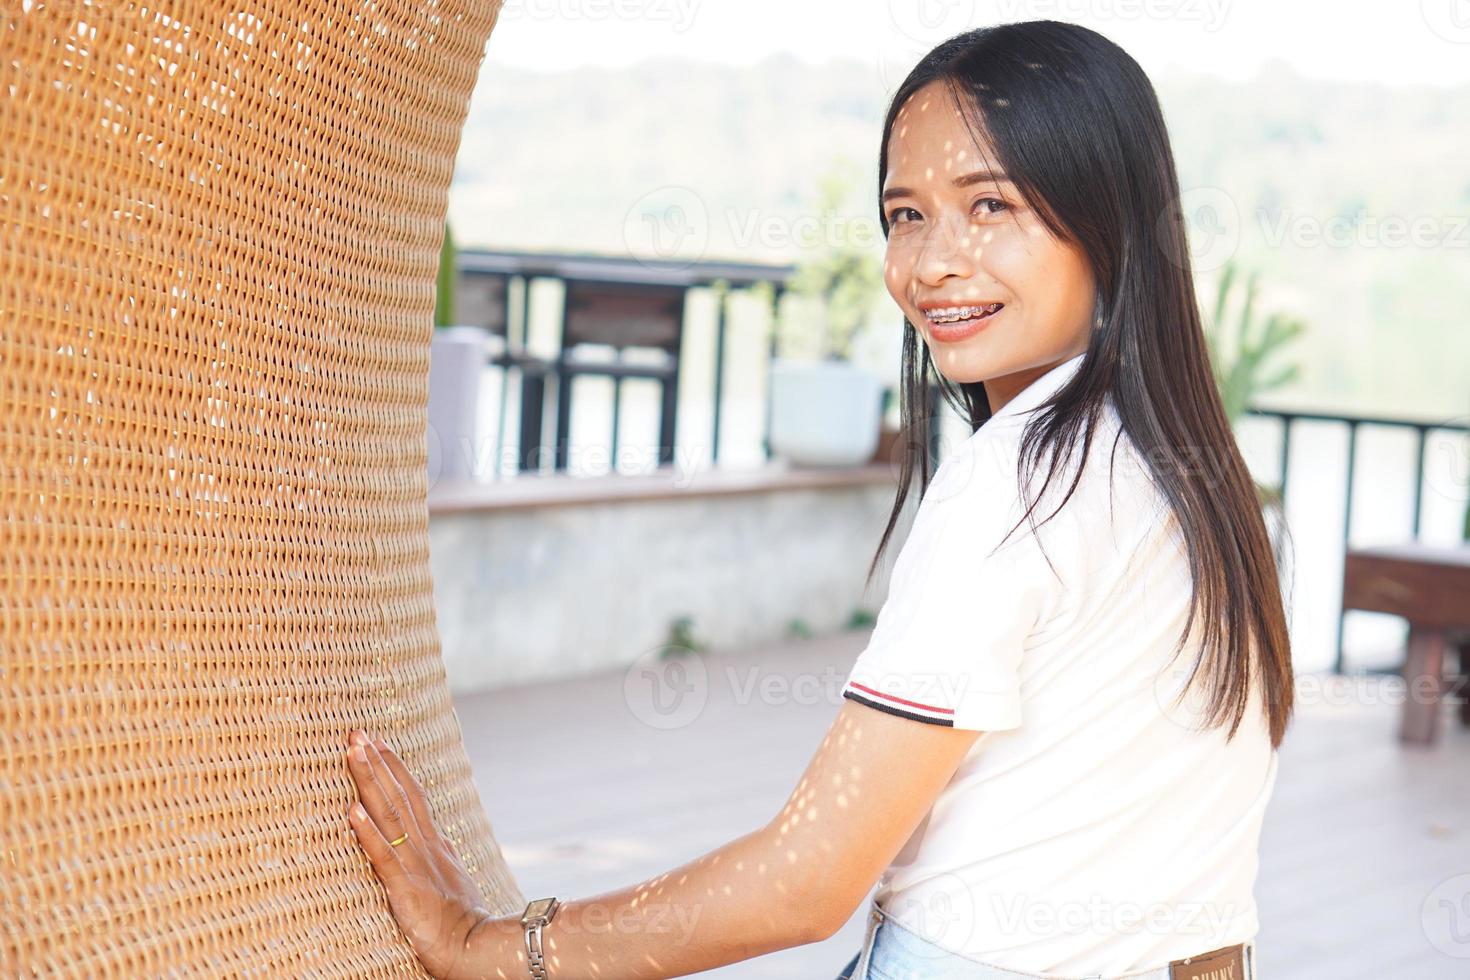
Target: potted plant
x,y
826,410
456,363
1239,356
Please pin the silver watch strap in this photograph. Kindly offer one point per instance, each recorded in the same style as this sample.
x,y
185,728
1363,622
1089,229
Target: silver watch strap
x,y
533,952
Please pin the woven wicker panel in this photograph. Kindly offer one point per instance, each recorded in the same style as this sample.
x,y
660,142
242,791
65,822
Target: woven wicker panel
x,y
221,225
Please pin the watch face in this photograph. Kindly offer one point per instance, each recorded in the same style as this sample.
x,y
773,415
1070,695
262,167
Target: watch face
x,y
538,909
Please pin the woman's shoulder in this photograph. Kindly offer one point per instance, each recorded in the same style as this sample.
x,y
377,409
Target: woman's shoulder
x,y
996,447
1113,494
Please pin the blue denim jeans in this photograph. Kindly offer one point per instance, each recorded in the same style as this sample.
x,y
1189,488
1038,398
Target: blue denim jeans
x,y
892,952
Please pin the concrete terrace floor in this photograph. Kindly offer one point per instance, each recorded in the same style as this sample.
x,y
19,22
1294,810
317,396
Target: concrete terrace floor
x,y
1361,837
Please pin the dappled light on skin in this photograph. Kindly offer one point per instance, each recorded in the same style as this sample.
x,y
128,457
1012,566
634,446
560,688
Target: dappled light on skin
x,y
867,787
836,783
792,881
746,899
874,775
960,233
707,891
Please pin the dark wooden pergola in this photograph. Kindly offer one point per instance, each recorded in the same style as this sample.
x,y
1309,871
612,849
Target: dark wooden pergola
x,y
620,302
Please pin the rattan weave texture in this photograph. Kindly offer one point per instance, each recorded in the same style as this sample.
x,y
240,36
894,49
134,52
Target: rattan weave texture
x,y
221,224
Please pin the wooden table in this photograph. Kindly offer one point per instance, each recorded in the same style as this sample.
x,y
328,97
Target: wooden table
x,y
1430,587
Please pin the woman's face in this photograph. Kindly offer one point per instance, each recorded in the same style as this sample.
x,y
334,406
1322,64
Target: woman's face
x,y
959,237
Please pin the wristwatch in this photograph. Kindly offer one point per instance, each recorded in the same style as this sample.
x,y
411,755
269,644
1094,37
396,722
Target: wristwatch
x,y
538,914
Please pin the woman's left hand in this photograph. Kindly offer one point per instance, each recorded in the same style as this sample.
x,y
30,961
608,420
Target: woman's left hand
x,y
432,897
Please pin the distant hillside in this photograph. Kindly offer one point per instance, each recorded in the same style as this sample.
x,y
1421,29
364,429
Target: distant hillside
x,y
1333,184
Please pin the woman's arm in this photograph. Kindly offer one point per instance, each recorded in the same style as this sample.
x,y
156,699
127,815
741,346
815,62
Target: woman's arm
x,y
794,881
740,900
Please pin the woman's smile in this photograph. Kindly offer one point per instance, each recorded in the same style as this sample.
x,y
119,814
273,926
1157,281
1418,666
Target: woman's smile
x,y
961,235
951,324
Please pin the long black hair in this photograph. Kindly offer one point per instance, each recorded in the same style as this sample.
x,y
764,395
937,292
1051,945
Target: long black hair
x,y
1078,129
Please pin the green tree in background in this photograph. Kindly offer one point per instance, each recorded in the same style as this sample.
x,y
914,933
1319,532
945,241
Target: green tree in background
x,y
839,275
1242,353
444,289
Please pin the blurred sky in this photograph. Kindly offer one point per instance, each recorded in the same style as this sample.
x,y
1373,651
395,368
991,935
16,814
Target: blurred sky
x,y
1394,41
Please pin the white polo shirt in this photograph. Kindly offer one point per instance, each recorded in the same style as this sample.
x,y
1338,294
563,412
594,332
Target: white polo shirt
x,y
1090,829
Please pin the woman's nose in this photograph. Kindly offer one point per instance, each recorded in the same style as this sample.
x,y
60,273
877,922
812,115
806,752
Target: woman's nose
x,y
948,249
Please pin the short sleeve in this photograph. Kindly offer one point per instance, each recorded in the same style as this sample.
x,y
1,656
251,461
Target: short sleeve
x,y
947,645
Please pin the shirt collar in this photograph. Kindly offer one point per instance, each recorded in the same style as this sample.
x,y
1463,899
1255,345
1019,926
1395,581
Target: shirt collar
x,y
1042,388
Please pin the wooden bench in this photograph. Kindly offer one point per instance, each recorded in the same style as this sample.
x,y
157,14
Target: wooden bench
x,y
1430,587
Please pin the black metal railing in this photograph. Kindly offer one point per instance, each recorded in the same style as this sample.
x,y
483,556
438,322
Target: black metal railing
x,y
1354,424
505,310
514,272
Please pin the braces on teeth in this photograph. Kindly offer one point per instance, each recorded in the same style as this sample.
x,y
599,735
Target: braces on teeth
x,y
961,312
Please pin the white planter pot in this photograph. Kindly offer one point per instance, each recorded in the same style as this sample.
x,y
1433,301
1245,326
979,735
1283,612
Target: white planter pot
x,y
456,364
824,413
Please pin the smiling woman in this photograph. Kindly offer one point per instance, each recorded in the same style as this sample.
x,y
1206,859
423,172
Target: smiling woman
x,y
793,881
1037,250
217,607
1010,265
1016,763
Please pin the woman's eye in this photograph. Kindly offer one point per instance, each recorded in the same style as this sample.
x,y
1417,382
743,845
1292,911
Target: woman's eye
x,y
895,216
